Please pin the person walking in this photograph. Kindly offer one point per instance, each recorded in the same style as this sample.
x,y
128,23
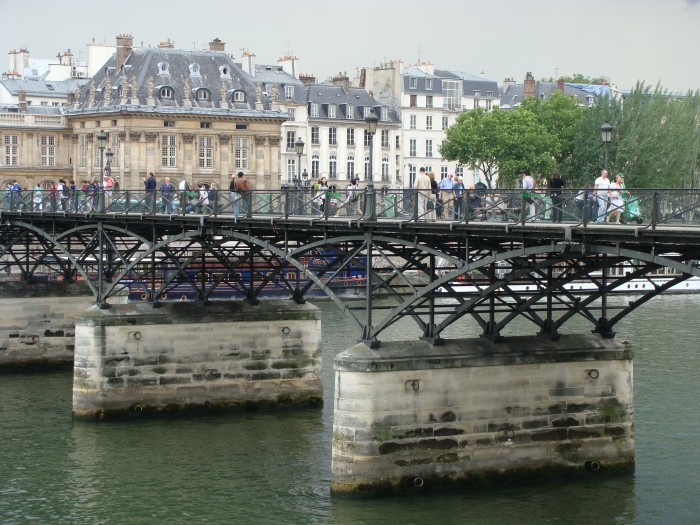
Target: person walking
x,y
601,190
556,192
167,194
36,198
320,195
352,198
528,190
184,192
422,186
446,194
150,186
616,202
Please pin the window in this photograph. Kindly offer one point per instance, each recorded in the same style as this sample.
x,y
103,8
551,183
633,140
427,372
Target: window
x,y
289,92
429,101
412,148
412,83
205,147
385,138
443,172
291,139
445,123
331,110
398,142
385,114
489,93
412,122
351,167
292,112
476,102
413,101
241,126
368,139
114,144
367,167
11,149
203,95
477,92
48,150
239,96
333,167
429,148
350,112
315,165
240,153
452,95
333,136
351,137
429,122
429,85
315,135
205,125
291,169
385,168
167,143
314,109
166,93
168,124
367,112
82,151
488,105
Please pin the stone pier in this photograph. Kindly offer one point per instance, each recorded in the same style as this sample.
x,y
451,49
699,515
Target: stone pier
x,y
135,360
412,417
37,323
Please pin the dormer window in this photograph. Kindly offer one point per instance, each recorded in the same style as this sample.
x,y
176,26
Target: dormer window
x,y
385,114
225,72
429,83
331,110
367,112
194,70
203,95
412,83
350,112
314,109
289,92
239,96
477,92
165,92
163,68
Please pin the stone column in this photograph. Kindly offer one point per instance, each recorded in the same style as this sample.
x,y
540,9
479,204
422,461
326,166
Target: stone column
x,y
134,359
37,323
412,417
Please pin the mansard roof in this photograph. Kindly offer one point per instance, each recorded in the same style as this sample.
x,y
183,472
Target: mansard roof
x,y
470,83
42,88
174,81
266,76
328,94
514,94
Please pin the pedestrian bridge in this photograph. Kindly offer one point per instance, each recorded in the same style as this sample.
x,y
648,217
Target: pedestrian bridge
x,y
488,261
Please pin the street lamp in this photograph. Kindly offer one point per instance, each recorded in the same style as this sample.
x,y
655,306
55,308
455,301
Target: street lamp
x,y
101,140
606,134
299,146
370,208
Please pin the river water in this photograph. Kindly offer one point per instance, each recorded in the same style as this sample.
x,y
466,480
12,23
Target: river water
x,y
274,467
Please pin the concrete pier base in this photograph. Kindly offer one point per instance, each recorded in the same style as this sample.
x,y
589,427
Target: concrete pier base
x,y
37,323
413,417
136,360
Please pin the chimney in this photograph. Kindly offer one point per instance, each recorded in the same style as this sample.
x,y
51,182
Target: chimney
x,y
22,95
529,89
289,64
307,79
560,84
217,45
248,62
168,44
507,82
125,43
341,79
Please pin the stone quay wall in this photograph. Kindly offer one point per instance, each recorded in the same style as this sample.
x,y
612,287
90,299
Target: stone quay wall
x,y
135,360
413,417
37,323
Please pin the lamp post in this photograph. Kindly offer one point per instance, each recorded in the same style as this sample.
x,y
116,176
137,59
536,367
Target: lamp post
x,y
299,146
101,140
606,134
370,207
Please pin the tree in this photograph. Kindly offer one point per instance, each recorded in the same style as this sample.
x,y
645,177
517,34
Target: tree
x,y
577,78
500,144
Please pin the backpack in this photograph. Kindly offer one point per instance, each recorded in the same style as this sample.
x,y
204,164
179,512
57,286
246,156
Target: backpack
x,y
352,194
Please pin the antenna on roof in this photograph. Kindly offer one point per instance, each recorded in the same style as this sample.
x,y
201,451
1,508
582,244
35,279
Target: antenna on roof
x,y
419,51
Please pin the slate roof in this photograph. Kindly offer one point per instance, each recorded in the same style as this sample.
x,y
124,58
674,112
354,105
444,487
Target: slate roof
x,y
266,75
327,94
470,83
514,94
42,88
182,71
32,110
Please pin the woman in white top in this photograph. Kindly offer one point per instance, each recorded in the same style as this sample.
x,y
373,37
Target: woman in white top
x,y
617,205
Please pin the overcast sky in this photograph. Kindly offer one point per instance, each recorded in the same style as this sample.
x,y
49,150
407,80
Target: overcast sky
x,y
623,40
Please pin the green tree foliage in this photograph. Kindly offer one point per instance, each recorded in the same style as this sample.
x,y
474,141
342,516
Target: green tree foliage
x,y
577,78
500,142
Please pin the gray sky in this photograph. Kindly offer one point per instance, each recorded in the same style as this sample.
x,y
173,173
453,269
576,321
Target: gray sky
x,y
624,40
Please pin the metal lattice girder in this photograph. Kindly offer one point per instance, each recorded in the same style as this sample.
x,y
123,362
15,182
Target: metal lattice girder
x,y
415,270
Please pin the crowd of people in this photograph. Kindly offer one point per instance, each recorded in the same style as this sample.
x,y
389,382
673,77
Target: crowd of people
x,y
59,195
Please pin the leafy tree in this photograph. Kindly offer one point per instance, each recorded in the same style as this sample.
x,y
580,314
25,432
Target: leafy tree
x,y
577,78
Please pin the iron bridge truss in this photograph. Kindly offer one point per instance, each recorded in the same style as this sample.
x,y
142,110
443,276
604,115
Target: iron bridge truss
x,y
435,274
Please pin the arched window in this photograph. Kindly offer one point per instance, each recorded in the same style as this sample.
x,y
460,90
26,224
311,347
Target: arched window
x,y
351,167
166,92
239,96
163,68
385,168
333,167
315,165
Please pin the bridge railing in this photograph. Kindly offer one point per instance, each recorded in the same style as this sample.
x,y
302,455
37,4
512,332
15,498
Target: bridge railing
x,y
652,207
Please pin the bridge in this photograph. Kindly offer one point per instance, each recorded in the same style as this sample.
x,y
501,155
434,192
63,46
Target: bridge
x,y
408,415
